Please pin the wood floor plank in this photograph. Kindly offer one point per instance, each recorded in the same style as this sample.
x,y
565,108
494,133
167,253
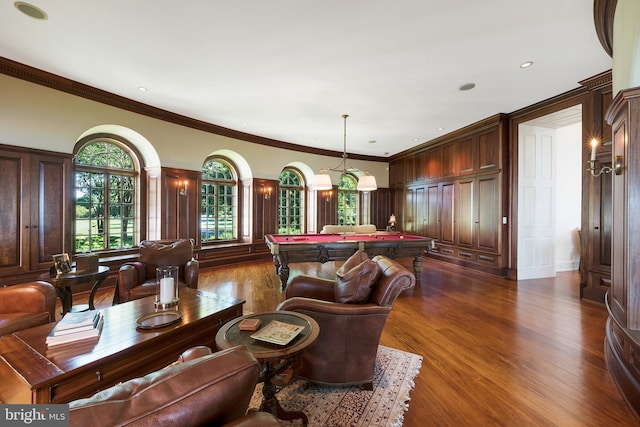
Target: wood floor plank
x,y
496,352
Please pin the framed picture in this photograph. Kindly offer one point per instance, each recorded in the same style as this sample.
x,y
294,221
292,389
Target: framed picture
x,y
62,263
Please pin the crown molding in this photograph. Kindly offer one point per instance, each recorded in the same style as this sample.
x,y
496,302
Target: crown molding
x,y
53,81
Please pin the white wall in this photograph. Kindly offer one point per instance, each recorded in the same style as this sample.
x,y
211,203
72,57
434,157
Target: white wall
x,y
626,45
568,196
35,116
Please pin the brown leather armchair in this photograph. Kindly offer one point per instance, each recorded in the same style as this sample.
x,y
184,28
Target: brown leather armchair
x,y
200,389
346,348
26,305
138,279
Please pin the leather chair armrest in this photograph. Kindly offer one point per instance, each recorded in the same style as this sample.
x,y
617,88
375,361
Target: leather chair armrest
x,y
194,353
311,287
32,297
309,305
130,275
191,271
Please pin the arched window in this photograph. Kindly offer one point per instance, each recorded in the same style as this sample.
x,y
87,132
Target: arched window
x,y
218,210
347,200
105,177
291,202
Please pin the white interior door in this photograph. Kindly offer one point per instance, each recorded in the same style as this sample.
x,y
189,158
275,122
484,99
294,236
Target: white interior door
x,y
536,203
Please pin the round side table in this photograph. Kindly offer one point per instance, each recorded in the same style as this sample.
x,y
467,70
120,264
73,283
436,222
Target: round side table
x,y
274,358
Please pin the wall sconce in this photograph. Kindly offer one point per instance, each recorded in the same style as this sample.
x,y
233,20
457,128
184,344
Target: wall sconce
x,y
327,196
185,187
617,164
267,192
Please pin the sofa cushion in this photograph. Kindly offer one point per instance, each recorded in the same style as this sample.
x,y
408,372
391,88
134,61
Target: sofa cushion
x,y
355,279
347,229
209,390
354,260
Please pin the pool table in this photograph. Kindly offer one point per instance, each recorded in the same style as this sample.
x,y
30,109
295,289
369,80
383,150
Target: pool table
x,y
288,248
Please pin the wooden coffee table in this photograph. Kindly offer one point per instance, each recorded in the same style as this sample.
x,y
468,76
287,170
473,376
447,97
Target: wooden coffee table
x,y
30,374
275,359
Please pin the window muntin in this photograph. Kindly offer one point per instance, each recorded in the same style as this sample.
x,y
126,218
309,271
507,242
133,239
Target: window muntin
x,y
104,197
290,202
347,200
218,201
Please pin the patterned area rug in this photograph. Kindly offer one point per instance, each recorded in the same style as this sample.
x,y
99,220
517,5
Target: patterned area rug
x,y
351,406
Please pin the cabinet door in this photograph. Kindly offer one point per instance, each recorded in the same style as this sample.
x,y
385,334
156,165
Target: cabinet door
x,y
409,215
14,213
488,213
449,159
466,155
447,212
420,210
432,207
488,150
434,163
50,207
465,218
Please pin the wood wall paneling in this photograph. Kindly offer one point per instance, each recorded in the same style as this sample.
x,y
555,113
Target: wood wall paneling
x,y
622,343
461,202
265,208
180,203
35,210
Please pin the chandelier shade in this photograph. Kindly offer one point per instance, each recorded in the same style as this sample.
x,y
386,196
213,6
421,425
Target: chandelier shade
x,y
322,181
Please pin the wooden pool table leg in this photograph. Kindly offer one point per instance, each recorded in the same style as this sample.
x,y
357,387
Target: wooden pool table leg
x,y
284,274
417,267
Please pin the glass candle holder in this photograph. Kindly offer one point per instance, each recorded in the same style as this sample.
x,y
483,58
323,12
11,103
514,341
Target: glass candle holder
x,y
166,287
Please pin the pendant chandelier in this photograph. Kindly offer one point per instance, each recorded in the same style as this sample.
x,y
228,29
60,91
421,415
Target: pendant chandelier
x,y
322,181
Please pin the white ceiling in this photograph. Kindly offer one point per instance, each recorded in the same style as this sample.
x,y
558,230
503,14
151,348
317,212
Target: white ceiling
x,y
289,69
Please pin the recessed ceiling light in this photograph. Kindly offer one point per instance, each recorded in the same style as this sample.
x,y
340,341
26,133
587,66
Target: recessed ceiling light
x,y
31,11
373,141
526,64
467,86
440,129
142,89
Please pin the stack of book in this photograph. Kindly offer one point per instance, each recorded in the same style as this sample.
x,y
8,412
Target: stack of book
x,y
76,328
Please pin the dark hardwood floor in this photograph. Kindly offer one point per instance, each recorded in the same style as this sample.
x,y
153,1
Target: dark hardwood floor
x,y
495,352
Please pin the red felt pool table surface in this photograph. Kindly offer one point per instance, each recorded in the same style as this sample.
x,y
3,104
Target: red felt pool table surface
x,y
333,247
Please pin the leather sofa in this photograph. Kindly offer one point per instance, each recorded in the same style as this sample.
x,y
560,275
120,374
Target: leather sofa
x,y
138,279
26,305
350,320
200,389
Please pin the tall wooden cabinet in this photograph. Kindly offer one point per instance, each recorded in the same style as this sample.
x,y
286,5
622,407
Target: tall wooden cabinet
x,y
455,194
35,201
622,342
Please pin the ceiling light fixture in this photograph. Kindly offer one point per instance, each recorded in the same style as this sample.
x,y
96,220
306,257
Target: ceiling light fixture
x,y
526,64
31,11
322,181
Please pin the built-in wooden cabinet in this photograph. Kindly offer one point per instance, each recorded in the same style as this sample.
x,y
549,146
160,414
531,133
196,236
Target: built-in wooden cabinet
x,y
456,197
622,342
35,194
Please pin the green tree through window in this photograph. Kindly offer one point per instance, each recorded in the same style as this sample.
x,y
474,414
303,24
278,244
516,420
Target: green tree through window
x,y
347,200
104,197
290,203
218,201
